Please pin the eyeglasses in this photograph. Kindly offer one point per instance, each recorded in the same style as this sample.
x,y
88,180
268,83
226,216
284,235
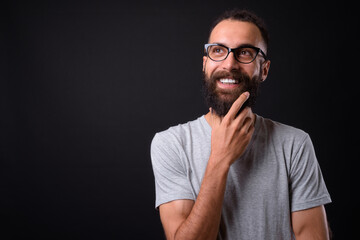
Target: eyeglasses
x,y
243,54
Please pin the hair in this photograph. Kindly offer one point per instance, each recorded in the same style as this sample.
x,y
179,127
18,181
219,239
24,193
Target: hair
x,y
244,16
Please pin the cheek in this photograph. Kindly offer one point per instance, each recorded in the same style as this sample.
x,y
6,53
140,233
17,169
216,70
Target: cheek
x,y
252,69
211,67
208,70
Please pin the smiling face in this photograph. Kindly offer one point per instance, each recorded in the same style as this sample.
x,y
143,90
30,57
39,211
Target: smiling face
x,y
225,80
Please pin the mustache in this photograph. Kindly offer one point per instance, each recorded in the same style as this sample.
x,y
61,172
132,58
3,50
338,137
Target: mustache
x,y
236,75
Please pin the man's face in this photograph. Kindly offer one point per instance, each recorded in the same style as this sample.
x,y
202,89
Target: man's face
x,y
220,92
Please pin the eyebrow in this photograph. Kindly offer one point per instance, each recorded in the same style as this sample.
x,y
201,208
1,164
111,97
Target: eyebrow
x,y
241,45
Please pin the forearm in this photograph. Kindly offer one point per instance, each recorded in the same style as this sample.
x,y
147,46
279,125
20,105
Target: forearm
x,y
204,218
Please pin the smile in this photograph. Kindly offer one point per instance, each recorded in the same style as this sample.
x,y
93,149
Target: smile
x,y
228,81
227,84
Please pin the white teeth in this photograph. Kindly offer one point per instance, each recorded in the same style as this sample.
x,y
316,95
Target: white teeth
x,y
226,80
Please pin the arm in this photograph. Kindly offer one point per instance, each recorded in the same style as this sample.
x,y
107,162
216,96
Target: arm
x,y
186,219
310,224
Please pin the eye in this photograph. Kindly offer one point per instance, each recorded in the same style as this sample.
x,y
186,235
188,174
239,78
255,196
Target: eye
x,y
218,50
217,53
245,52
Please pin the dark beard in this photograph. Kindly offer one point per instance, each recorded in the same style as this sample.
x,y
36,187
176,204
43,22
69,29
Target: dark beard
x,y
221,100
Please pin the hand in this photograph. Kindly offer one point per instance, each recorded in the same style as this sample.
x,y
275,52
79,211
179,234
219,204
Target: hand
x,y
231,135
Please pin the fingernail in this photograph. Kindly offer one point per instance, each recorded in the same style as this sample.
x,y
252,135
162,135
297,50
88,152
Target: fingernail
x,y
247,94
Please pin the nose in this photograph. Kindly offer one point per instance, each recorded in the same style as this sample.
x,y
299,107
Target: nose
x,y
230,63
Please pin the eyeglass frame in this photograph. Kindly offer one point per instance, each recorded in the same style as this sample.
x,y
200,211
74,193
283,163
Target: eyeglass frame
x,y
258,50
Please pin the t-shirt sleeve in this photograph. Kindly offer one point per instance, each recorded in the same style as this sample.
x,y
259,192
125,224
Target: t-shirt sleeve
x,y
171,176
307,186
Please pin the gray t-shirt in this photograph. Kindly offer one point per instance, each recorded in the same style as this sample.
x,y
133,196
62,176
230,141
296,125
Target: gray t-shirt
x,y
277,174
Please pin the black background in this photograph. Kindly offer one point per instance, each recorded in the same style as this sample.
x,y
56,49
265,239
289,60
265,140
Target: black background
x,y
86,84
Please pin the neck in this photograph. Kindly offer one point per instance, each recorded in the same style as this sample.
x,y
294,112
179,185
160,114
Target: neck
x,y
212,118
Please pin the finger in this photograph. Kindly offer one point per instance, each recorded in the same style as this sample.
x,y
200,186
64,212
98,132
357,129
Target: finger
x,y
237,105
248,124
252,125
245,114
251,130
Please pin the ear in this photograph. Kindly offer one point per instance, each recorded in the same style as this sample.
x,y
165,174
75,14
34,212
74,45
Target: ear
x,y
265,70
204,62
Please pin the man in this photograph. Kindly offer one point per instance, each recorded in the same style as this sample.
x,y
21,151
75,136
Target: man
x,y
232,174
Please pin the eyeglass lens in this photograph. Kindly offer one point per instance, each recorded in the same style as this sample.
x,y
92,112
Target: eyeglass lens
x,y
219,53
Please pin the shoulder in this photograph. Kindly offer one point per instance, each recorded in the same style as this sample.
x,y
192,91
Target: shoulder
x,y
290,142
178,133
280,132
283,138
175,137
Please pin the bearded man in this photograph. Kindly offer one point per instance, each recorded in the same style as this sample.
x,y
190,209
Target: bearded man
x,y
232,174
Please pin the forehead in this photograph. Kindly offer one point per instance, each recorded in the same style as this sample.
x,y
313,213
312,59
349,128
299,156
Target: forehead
x,y
233,33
